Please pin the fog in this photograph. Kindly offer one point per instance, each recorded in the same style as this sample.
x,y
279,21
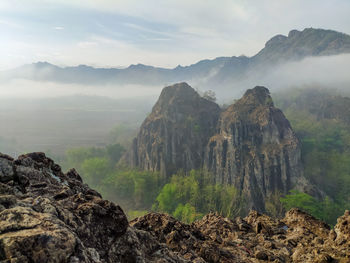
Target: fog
x,y
327,72
53,117
30,89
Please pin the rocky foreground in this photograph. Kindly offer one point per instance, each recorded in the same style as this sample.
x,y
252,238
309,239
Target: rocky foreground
x,y
49,216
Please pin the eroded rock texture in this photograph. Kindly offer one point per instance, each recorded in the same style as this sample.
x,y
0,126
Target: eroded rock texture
x,y
175,134
48,216
250,145
255,149
298,237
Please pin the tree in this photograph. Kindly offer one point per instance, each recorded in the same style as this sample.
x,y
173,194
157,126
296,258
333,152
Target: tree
x,y
115,152
94,170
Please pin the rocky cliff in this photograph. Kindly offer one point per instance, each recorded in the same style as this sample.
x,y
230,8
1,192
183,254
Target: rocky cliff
x,y
250,145
175,134
255,149
49,216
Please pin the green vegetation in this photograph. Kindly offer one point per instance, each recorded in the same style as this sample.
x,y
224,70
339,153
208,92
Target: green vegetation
x,y
189,197
325,153
186,197
326,210
134,190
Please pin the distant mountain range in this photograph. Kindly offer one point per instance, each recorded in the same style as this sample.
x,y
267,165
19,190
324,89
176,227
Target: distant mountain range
x,y
219,72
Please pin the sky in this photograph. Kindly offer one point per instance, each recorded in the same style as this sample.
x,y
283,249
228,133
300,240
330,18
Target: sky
x,y
164,33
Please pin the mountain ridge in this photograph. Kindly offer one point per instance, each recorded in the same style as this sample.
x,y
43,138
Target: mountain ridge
x,y
218,71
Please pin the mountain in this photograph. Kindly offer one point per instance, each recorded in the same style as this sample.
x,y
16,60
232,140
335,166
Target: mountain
x,y
250,145
175,134
217,74
49,216
301,44
255,149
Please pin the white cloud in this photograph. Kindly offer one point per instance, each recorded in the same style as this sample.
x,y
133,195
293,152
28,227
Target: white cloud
x,y
9,23
167,32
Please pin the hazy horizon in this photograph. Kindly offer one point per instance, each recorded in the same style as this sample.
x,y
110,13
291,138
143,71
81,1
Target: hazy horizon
x,y
120,33
57,113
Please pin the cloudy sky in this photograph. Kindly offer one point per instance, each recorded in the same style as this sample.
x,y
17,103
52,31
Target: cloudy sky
x,y
163,33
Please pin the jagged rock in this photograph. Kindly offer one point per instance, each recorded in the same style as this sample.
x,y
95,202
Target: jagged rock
x,y
342,230
175,134
250,145
48,216
217,239
255,149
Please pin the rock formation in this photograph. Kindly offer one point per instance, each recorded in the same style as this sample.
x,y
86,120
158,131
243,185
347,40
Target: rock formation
x,y
48,216
250,145
175,134
255,149
298,237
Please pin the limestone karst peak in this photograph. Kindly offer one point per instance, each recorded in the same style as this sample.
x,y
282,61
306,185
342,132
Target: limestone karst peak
x,y
182,90
250,145
176,132
258,95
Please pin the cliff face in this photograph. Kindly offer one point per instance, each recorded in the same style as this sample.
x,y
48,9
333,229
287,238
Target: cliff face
x,y
175,134
250,145
255,149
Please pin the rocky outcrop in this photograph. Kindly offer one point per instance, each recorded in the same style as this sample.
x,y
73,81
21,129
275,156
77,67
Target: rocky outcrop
x,y
250,145
175,134
48,216
298,237
255,149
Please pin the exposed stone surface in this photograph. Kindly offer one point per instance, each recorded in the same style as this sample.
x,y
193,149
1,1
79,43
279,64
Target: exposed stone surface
x,y
255,149
256,238
175,134
250,145
48,216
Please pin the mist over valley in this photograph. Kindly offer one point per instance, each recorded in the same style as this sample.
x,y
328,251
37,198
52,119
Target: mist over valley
x,y
174,131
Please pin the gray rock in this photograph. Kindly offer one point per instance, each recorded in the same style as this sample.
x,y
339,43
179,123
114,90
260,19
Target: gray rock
x,y
255,149
175,134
